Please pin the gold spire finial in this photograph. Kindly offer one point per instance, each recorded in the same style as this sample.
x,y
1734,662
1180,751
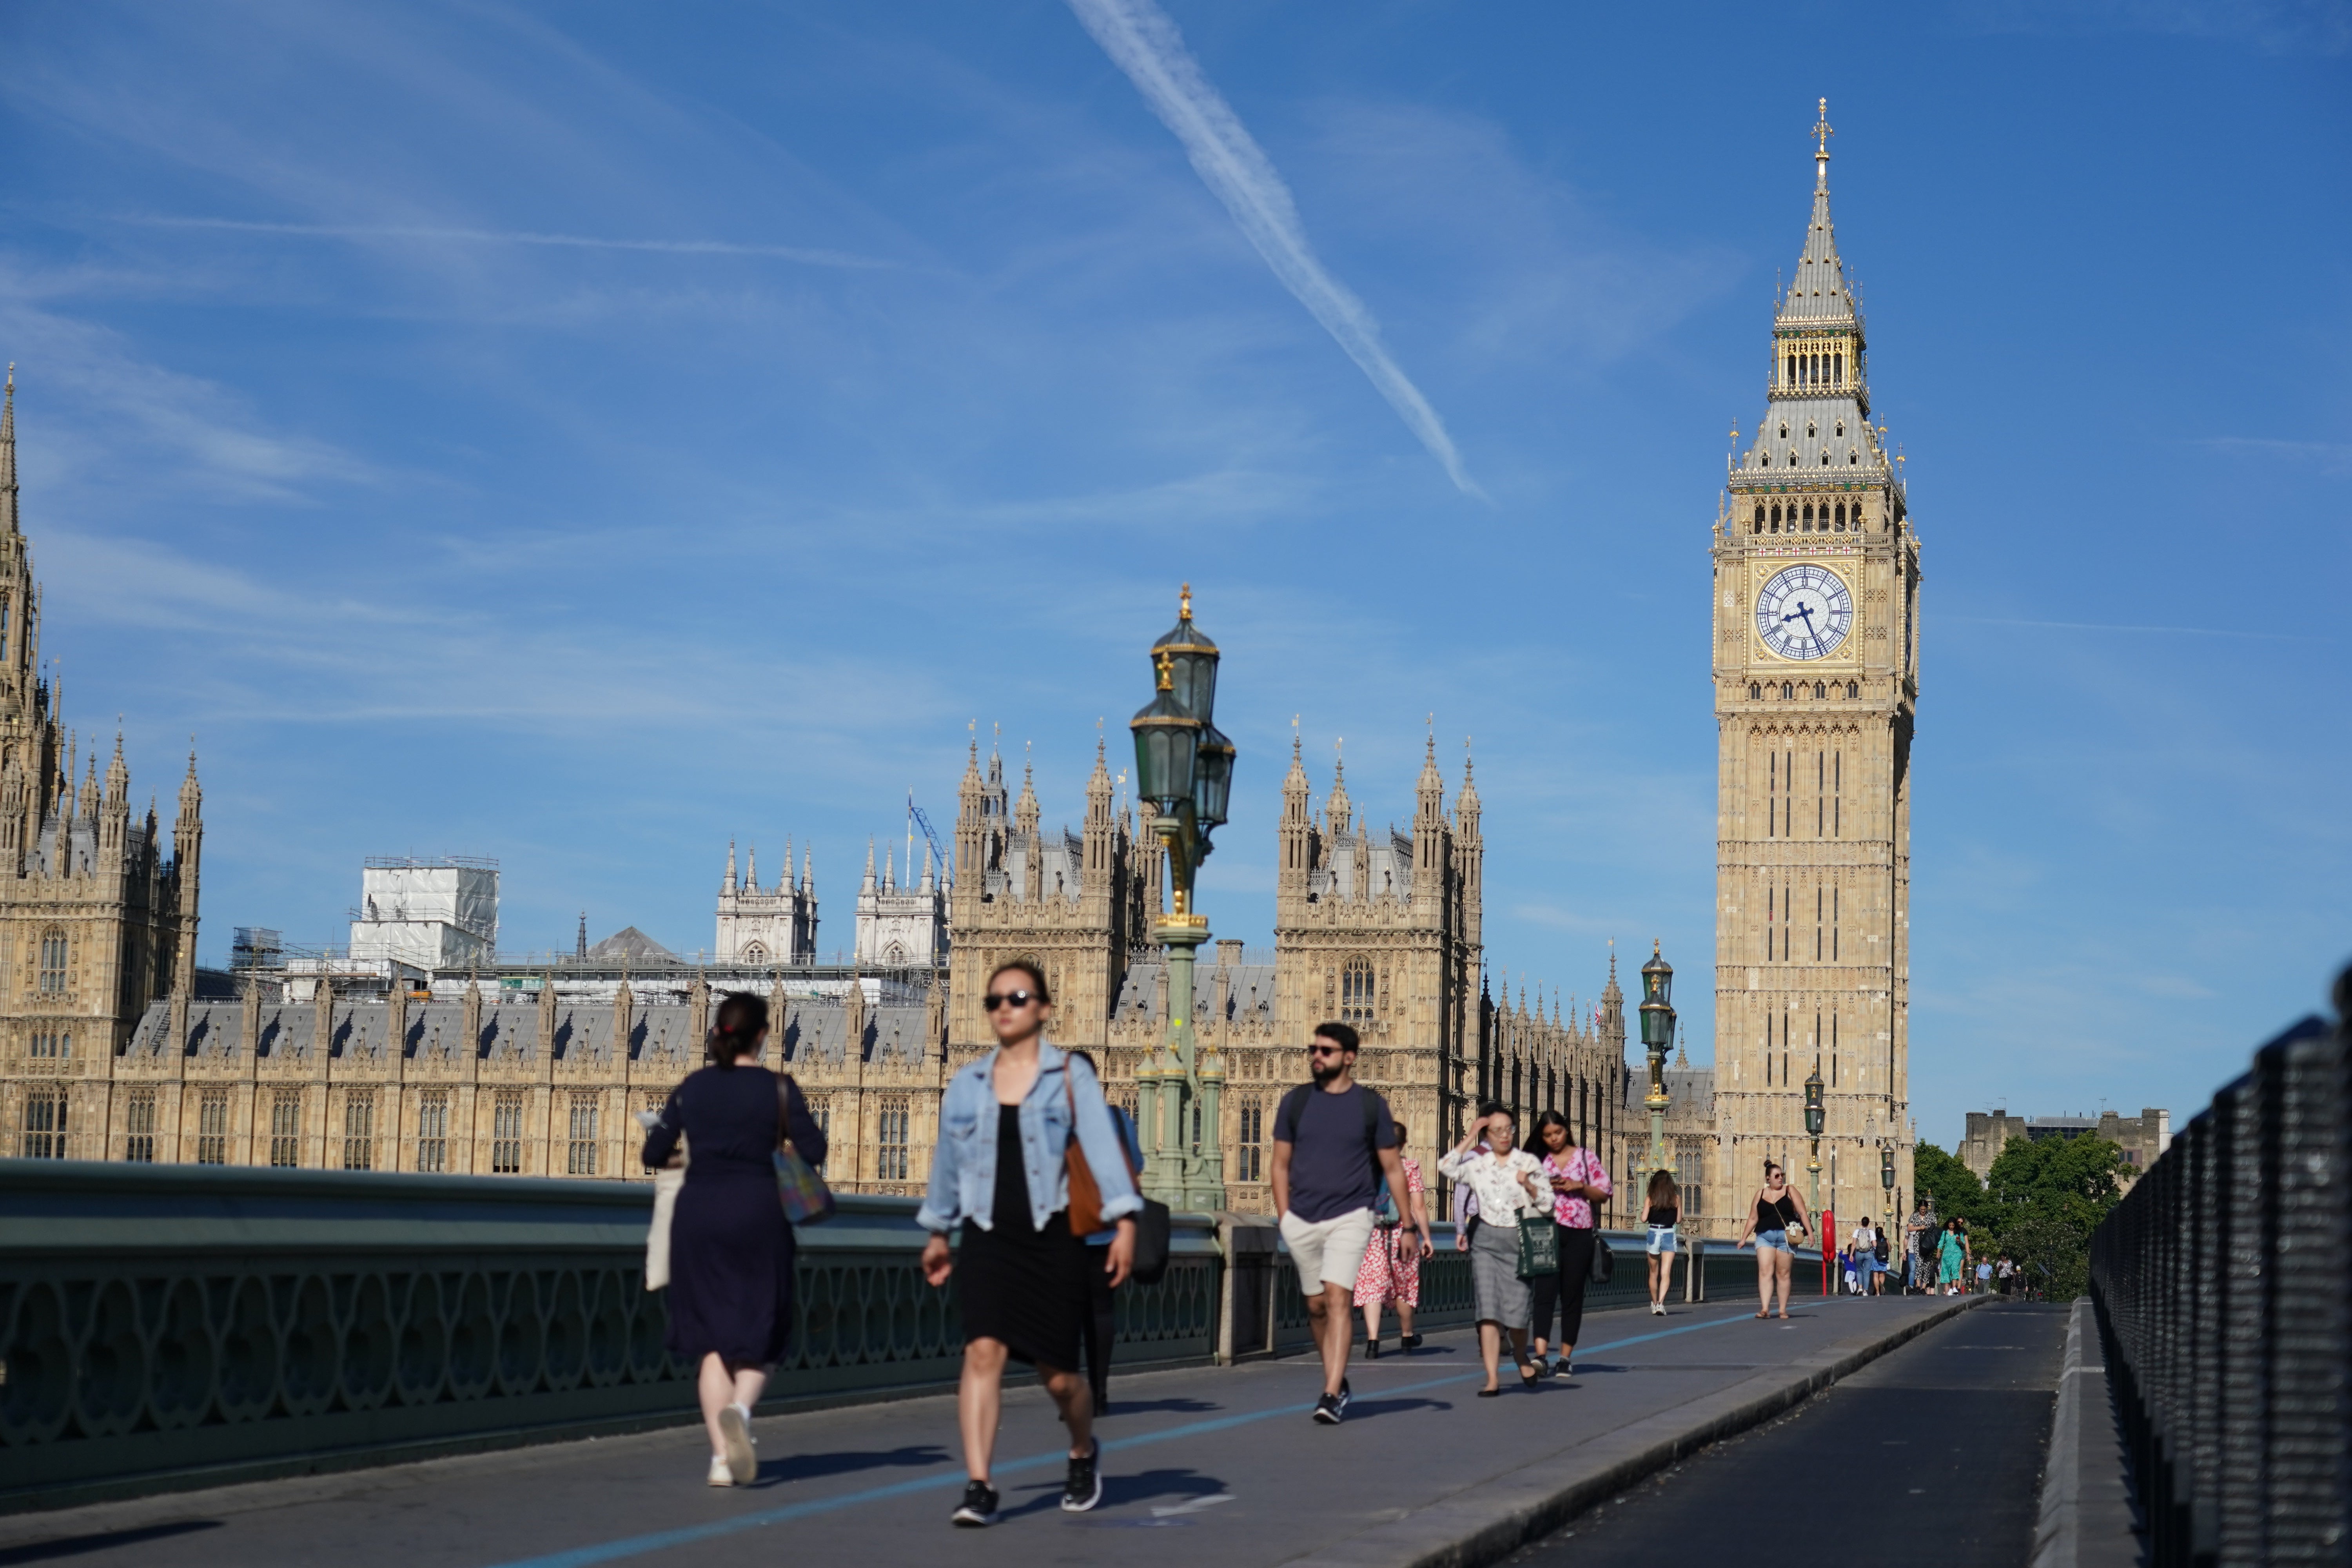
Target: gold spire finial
x,y
1185,604
1822,134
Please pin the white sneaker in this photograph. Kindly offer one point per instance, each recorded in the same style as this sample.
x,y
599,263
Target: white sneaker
x,y
720,1476
735,1429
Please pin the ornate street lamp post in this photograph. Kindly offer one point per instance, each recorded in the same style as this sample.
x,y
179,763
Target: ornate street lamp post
x,y
1813,1128
1184,769
1657,1034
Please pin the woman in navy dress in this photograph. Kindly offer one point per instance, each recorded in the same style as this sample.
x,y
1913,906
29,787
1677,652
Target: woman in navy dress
x,y
730,1249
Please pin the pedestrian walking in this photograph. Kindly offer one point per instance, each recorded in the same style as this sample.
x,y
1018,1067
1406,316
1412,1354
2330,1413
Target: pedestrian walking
x,y
1392,1267
1861,1243
1577,1181
1102,1310
1878,1262
1510,1184
1663,1215
1918,1247
730,1248
1023,1133
1951,1257
1335,1146
2005,1273
1776,1211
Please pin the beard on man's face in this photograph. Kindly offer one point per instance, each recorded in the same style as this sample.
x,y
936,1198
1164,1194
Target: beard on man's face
x,y
1325,1068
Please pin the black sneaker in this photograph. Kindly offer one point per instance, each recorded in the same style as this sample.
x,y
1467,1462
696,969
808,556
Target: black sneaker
x,y
1083,1488
979,1506
1328,1409
1346,1394
1410,1342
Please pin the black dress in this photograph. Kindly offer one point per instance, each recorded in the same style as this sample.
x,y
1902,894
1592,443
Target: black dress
x,y
730,1249
1016,1283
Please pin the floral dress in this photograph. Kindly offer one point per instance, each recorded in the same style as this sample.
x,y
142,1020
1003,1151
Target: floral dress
x,y
1391,1267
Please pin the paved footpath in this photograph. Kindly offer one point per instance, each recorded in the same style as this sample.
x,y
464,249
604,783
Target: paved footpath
x,y
1221,1461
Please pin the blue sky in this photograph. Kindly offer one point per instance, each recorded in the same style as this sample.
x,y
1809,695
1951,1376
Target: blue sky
x,y
582,434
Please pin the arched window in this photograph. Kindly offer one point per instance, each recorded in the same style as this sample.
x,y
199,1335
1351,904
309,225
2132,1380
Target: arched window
x,y
1840,517
1760,517
1792,371
1837,369
1787,692
53,961
1776,517
1809,518
755,953
1853,688
1754,692
1355,992
1819,692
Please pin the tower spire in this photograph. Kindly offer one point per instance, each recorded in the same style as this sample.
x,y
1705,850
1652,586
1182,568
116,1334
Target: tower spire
x,y
9,455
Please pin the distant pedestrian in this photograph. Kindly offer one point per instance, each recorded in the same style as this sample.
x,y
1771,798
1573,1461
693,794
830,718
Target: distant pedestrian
x,y
2005,1273
1578,1182
1001,1169
1858,1248
1845,1279
1774,1212
1665,1211
1102,1310
730,1248
1879,1253
1919,1248
1335,1146
1510,1184
1950,1257
1391,1271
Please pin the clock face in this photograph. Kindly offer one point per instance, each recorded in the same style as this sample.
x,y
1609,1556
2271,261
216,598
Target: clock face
x,y
1804,612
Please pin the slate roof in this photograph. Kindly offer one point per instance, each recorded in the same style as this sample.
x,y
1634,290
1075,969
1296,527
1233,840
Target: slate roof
x,y
1249,1001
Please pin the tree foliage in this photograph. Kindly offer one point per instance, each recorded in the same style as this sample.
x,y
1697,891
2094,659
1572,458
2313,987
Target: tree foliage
x,y
2039,1204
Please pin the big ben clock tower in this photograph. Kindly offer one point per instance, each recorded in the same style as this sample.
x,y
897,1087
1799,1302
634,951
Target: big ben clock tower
x,y
1816,655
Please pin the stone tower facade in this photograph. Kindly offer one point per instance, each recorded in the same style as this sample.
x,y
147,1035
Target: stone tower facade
x,y
766,925
1816,601
96,920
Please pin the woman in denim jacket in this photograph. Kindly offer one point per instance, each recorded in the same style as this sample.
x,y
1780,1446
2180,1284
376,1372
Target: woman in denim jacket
x,y
998,1169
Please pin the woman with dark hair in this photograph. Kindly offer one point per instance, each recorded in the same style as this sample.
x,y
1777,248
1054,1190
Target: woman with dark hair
x,y
1509,1182
1001,1169
1577,1181
730,1248
1102,1323
1776,1211
1659,1220
1390,1271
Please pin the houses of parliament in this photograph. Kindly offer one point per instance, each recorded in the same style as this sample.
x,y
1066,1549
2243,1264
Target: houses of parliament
x,y
110,1048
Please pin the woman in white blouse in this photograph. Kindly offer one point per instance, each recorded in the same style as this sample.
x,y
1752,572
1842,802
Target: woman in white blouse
x,y
1509,1182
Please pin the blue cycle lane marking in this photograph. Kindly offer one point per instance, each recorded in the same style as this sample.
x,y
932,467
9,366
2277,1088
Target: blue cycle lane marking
x,y
688,1535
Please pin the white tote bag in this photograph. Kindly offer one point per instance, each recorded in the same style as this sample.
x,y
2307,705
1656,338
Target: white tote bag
x,y
665,1187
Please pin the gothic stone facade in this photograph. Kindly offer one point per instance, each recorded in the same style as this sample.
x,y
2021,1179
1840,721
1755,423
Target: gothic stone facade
x,y
96,920
1816,603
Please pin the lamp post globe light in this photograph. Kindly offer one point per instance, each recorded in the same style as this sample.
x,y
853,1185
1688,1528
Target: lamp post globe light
x,y
1184,769
1657,1033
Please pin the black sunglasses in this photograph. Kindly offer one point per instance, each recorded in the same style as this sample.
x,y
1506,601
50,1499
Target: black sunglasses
x,y
1324,1048
991,1002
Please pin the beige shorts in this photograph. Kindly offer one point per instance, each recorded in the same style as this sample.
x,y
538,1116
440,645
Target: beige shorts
x,y
1327,1252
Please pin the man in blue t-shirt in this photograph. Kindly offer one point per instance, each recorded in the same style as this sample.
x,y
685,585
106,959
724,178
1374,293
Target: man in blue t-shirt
x,y
1335,1145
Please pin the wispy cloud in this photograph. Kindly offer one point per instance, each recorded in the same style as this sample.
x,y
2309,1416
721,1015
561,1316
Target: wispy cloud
x,y
1142,41
2333,457
810,257
2107,627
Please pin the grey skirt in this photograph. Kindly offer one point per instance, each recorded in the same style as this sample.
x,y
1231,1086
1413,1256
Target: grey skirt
x,y
1501,1296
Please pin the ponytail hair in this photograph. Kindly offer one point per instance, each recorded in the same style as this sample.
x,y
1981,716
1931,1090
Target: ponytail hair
x,y
742,1020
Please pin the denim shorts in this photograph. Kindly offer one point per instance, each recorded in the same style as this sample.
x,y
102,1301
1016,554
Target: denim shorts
x,y
1662,1241
1778,1238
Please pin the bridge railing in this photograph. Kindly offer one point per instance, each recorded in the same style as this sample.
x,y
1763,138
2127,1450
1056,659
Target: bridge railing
x,y
178,1325
2223,1283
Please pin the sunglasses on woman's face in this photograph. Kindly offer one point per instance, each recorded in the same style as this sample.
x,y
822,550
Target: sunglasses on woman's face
x,y
991,1002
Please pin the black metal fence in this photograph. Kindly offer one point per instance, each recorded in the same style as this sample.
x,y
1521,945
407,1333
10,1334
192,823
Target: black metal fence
x,y
2224,1282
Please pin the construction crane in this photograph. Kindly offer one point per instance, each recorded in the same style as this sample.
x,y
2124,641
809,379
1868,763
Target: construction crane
x,y
915,818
